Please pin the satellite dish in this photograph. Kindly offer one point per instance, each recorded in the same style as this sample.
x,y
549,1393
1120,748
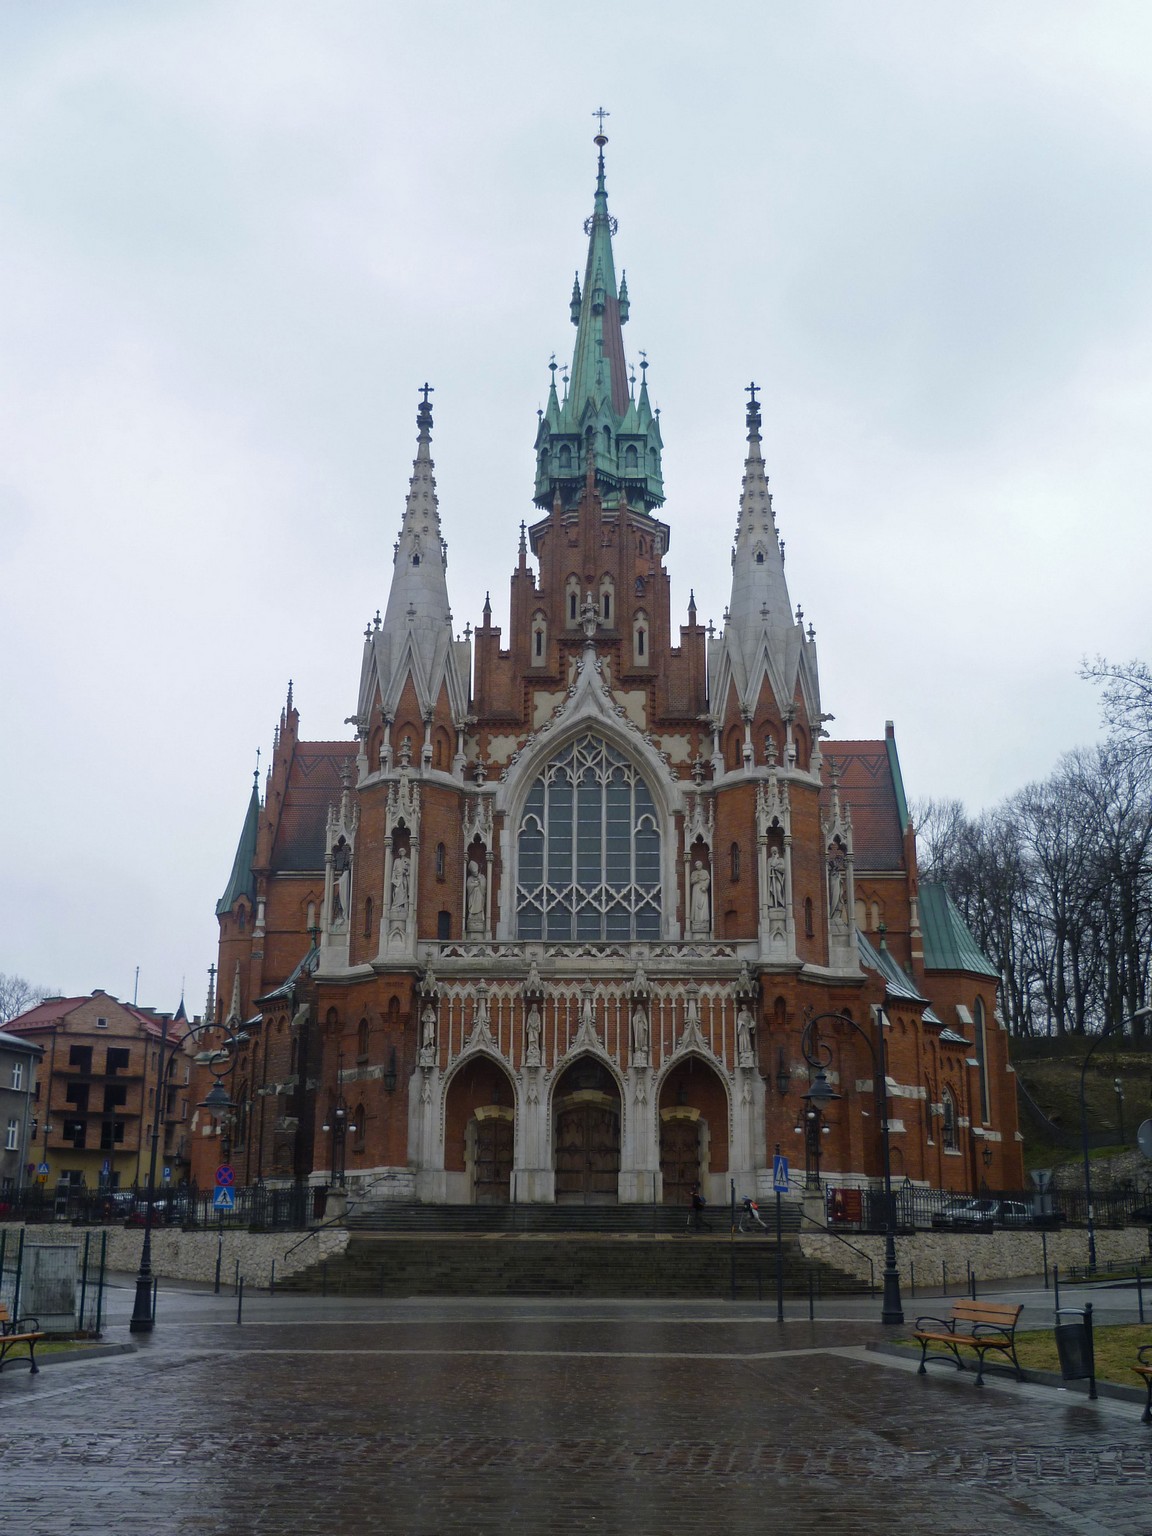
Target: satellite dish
x,y
1144,1138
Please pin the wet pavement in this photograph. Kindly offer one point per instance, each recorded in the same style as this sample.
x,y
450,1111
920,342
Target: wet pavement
x,y
330,1415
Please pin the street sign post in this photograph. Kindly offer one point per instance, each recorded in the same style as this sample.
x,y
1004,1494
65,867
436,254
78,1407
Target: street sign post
x,y
225,1176
224,1199
780,1174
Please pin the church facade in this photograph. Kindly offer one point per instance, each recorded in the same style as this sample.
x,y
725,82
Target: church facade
x,y
551,924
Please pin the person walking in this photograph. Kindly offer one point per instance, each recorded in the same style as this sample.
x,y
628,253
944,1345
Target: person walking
x,y
699,1205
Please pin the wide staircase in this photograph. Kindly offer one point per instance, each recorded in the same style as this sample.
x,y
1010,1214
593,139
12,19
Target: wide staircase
x,y
593,1251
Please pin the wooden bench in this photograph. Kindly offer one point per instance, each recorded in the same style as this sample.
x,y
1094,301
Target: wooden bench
x,y
985,1327
1143,1368
18,1330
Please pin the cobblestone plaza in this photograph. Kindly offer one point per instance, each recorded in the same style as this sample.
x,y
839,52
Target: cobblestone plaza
x,y
528,1416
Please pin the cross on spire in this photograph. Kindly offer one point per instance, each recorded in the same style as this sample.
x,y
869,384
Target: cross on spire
x,y
750,389
601,115
426,390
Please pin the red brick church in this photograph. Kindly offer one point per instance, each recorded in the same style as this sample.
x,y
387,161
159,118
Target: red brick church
x,y
550,925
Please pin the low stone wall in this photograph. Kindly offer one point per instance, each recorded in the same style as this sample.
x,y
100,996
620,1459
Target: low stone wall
x,y
179,1255
993,1255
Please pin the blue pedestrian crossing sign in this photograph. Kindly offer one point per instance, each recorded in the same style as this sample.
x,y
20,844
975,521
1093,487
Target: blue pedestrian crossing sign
x,y
225,1200
780,1174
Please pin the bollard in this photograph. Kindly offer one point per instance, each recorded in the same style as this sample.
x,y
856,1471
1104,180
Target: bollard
x,y
240,1301
100,1283
83,1276
972,1283
1056,1284
1044,1247
1091,1350
1139,1293
236,1278
944,1274
219,1257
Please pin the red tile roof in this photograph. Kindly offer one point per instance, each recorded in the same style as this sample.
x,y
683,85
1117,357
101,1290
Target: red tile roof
x,y
48,1014
866,787
313,786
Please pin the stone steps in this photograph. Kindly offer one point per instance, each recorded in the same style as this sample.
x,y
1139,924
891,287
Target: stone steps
x,y
381,1216
542,1264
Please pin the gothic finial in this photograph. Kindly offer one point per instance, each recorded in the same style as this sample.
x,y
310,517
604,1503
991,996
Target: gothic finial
x,y
289,695
424,415
256,770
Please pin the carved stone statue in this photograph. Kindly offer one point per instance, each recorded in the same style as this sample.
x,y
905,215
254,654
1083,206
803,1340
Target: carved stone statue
x,y
639,1031
699,907
341,882
744,1027
399,906
428,1027
776,882
836,892
475,899
532,1034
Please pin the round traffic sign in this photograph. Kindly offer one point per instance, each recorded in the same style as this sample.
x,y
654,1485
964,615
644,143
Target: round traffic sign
x,y
225,1176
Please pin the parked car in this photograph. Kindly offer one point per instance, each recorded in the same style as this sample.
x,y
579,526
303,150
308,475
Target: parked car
x,y
983,1214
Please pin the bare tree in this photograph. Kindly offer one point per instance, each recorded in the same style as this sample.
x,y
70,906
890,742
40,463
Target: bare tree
x,y
1125,703
18,995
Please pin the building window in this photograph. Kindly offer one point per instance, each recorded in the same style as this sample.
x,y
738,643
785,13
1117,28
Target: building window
x,y
12,1138
640,639
982,1060
101,1023
444,925
572,588
809,927
607,591
369,910
441,860
18,1075
949,1133
734,862
539,640
589,849
362,1039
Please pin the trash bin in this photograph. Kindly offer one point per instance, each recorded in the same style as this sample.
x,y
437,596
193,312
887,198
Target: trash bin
x,y
1074,1346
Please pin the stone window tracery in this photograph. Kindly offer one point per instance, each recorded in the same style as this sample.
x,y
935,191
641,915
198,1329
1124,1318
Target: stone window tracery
x,y
589,849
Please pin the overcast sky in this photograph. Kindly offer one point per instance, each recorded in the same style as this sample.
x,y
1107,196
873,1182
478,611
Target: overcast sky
x,y
238,235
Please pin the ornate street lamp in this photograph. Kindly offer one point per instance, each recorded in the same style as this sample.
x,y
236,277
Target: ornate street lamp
x,y
338,1126
818,1055
1141,1013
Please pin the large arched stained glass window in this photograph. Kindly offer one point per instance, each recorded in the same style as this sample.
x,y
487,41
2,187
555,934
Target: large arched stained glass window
x,y
588,850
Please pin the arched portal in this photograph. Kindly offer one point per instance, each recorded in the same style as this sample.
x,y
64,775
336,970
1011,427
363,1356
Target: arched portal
x,y
480,1130
586,1135
693,1128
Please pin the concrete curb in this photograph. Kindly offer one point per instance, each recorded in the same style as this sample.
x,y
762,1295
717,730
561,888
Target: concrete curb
x,y
1033,1378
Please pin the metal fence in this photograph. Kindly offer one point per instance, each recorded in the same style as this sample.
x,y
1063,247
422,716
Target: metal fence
x,y
919,1209
254,1209
55,1276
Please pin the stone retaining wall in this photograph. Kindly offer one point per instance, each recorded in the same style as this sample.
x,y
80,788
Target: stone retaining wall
x,y
178,1255
993,1255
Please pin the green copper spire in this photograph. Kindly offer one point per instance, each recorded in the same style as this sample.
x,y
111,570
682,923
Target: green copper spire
x,y
598,413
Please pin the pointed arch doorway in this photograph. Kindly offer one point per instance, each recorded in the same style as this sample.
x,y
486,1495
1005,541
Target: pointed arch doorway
x,y
693,1129
480,1130
586,1135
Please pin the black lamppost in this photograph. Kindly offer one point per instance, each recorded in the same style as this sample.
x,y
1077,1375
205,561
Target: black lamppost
x,y
813,1126
819,1055
218,1103
1141,1013
338,1125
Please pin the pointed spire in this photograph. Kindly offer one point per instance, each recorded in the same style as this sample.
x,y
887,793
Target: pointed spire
x,y
210,1003
625,447
242,882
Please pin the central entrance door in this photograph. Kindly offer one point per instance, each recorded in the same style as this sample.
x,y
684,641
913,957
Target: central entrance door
x,y
493,1165
586,1139
679,1157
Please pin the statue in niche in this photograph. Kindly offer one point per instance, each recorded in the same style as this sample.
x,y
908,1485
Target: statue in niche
x,y
532,1035
776,881
699,907
837,898
475,899
428,1027
639,1033
399,906
744,1048
341,882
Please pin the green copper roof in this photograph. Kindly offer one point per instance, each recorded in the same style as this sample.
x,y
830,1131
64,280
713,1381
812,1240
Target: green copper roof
x,y
897,776
948,945
241,881
599,423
